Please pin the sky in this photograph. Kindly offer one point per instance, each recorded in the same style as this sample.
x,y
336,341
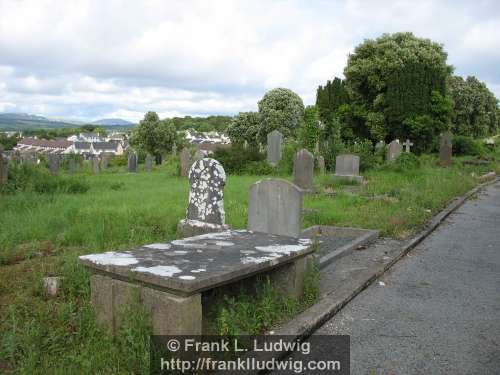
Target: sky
x,y
87,60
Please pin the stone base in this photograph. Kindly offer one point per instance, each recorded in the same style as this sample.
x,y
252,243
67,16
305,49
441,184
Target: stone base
x,y
353,178
170,314
190,228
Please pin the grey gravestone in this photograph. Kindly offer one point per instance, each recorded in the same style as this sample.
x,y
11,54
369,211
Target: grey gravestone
x,y
394,149
184,159
274,141
95,165
275,207
446,149
407,145
321,164
205,212
132,162
148,163
54,163
303,170
72,165
105,161
347,168
4,168
379,145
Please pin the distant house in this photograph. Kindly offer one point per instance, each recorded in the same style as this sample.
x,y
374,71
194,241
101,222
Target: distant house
x,y
96,148
207,142
86,137
47,146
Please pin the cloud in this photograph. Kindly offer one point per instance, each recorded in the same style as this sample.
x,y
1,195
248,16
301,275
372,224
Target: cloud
x,y
92,59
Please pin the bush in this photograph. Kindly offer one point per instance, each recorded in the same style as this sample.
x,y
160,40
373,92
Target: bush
x,y
463,145
406,162
239,160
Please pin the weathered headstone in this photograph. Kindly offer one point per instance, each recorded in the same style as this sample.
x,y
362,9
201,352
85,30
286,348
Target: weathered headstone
x,y
205,212
184,161
274,141
71,165
95,165
303,170
347,168
54,161
407,145
321,164
446,149
380,145
132,162
394,149
105,160
4,167
275,207
148,163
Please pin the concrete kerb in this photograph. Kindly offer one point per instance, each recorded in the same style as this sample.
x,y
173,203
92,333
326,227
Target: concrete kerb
x,y
311,319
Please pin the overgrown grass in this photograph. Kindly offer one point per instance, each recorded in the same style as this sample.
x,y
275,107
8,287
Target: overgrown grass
x,y
40,335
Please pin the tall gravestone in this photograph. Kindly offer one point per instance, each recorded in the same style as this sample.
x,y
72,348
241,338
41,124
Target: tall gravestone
x,y
303,170
72,165
148,163
132,162
274,142
95,165
105,161
446,149
54,161
205,212
394,149
347,168
184,161
321,164
275,207
4,167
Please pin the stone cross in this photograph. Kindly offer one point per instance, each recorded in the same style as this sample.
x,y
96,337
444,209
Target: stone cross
x,y
394,149
274,141
54,163
321,164
446,149
95,165
184,161
275,207
148,163
132,162
407,145
347,168
205,212
303,170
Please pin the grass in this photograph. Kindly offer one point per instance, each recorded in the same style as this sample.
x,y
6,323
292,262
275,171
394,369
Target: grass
x,y
41,235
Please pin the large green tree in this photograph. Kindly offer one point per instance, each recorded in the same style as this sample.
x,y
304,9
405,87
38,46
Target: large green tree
x,y
245,127
280,109
475,111
309,132
399,82
154,136
330,97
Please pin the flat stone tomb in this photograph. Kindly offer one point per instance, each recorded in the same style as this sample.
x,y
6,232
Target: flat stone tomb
x,y
178,271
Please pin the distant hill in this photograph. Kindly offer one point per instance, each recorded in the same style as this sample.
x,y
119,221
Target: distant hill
x,y
23,121
113,122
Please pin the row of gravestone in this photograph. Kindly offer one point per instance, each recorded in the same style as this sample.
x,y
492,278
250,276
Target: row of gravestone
x,y
275,206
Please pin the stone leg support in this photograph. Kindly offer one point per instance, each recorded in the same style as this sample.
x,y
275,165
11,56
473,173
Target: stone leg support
x,y
170,314
289,279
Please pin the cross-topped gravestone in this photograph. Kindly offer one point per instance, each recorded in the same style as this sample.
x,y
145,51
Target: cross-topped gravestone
x,y
347,168
275,207
148,163
303,170
205,212
321,164
274,141
394,149
184,161
95,165
446,149
54,161
407,145
132,162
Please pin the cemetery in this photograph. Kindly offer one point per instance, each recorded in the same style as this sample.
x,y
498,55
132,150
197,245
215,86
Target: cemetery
x,y
174,235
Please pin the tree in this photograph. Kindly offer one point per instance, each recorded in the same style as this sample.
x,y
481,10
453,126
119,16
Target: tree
x,y
397,79
330,97
280,109
245,128
475,111
309,131
154,136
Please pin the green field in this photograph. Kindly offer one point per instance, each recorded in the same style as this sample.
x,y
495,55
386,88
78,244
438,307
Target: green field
x,y
42,234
